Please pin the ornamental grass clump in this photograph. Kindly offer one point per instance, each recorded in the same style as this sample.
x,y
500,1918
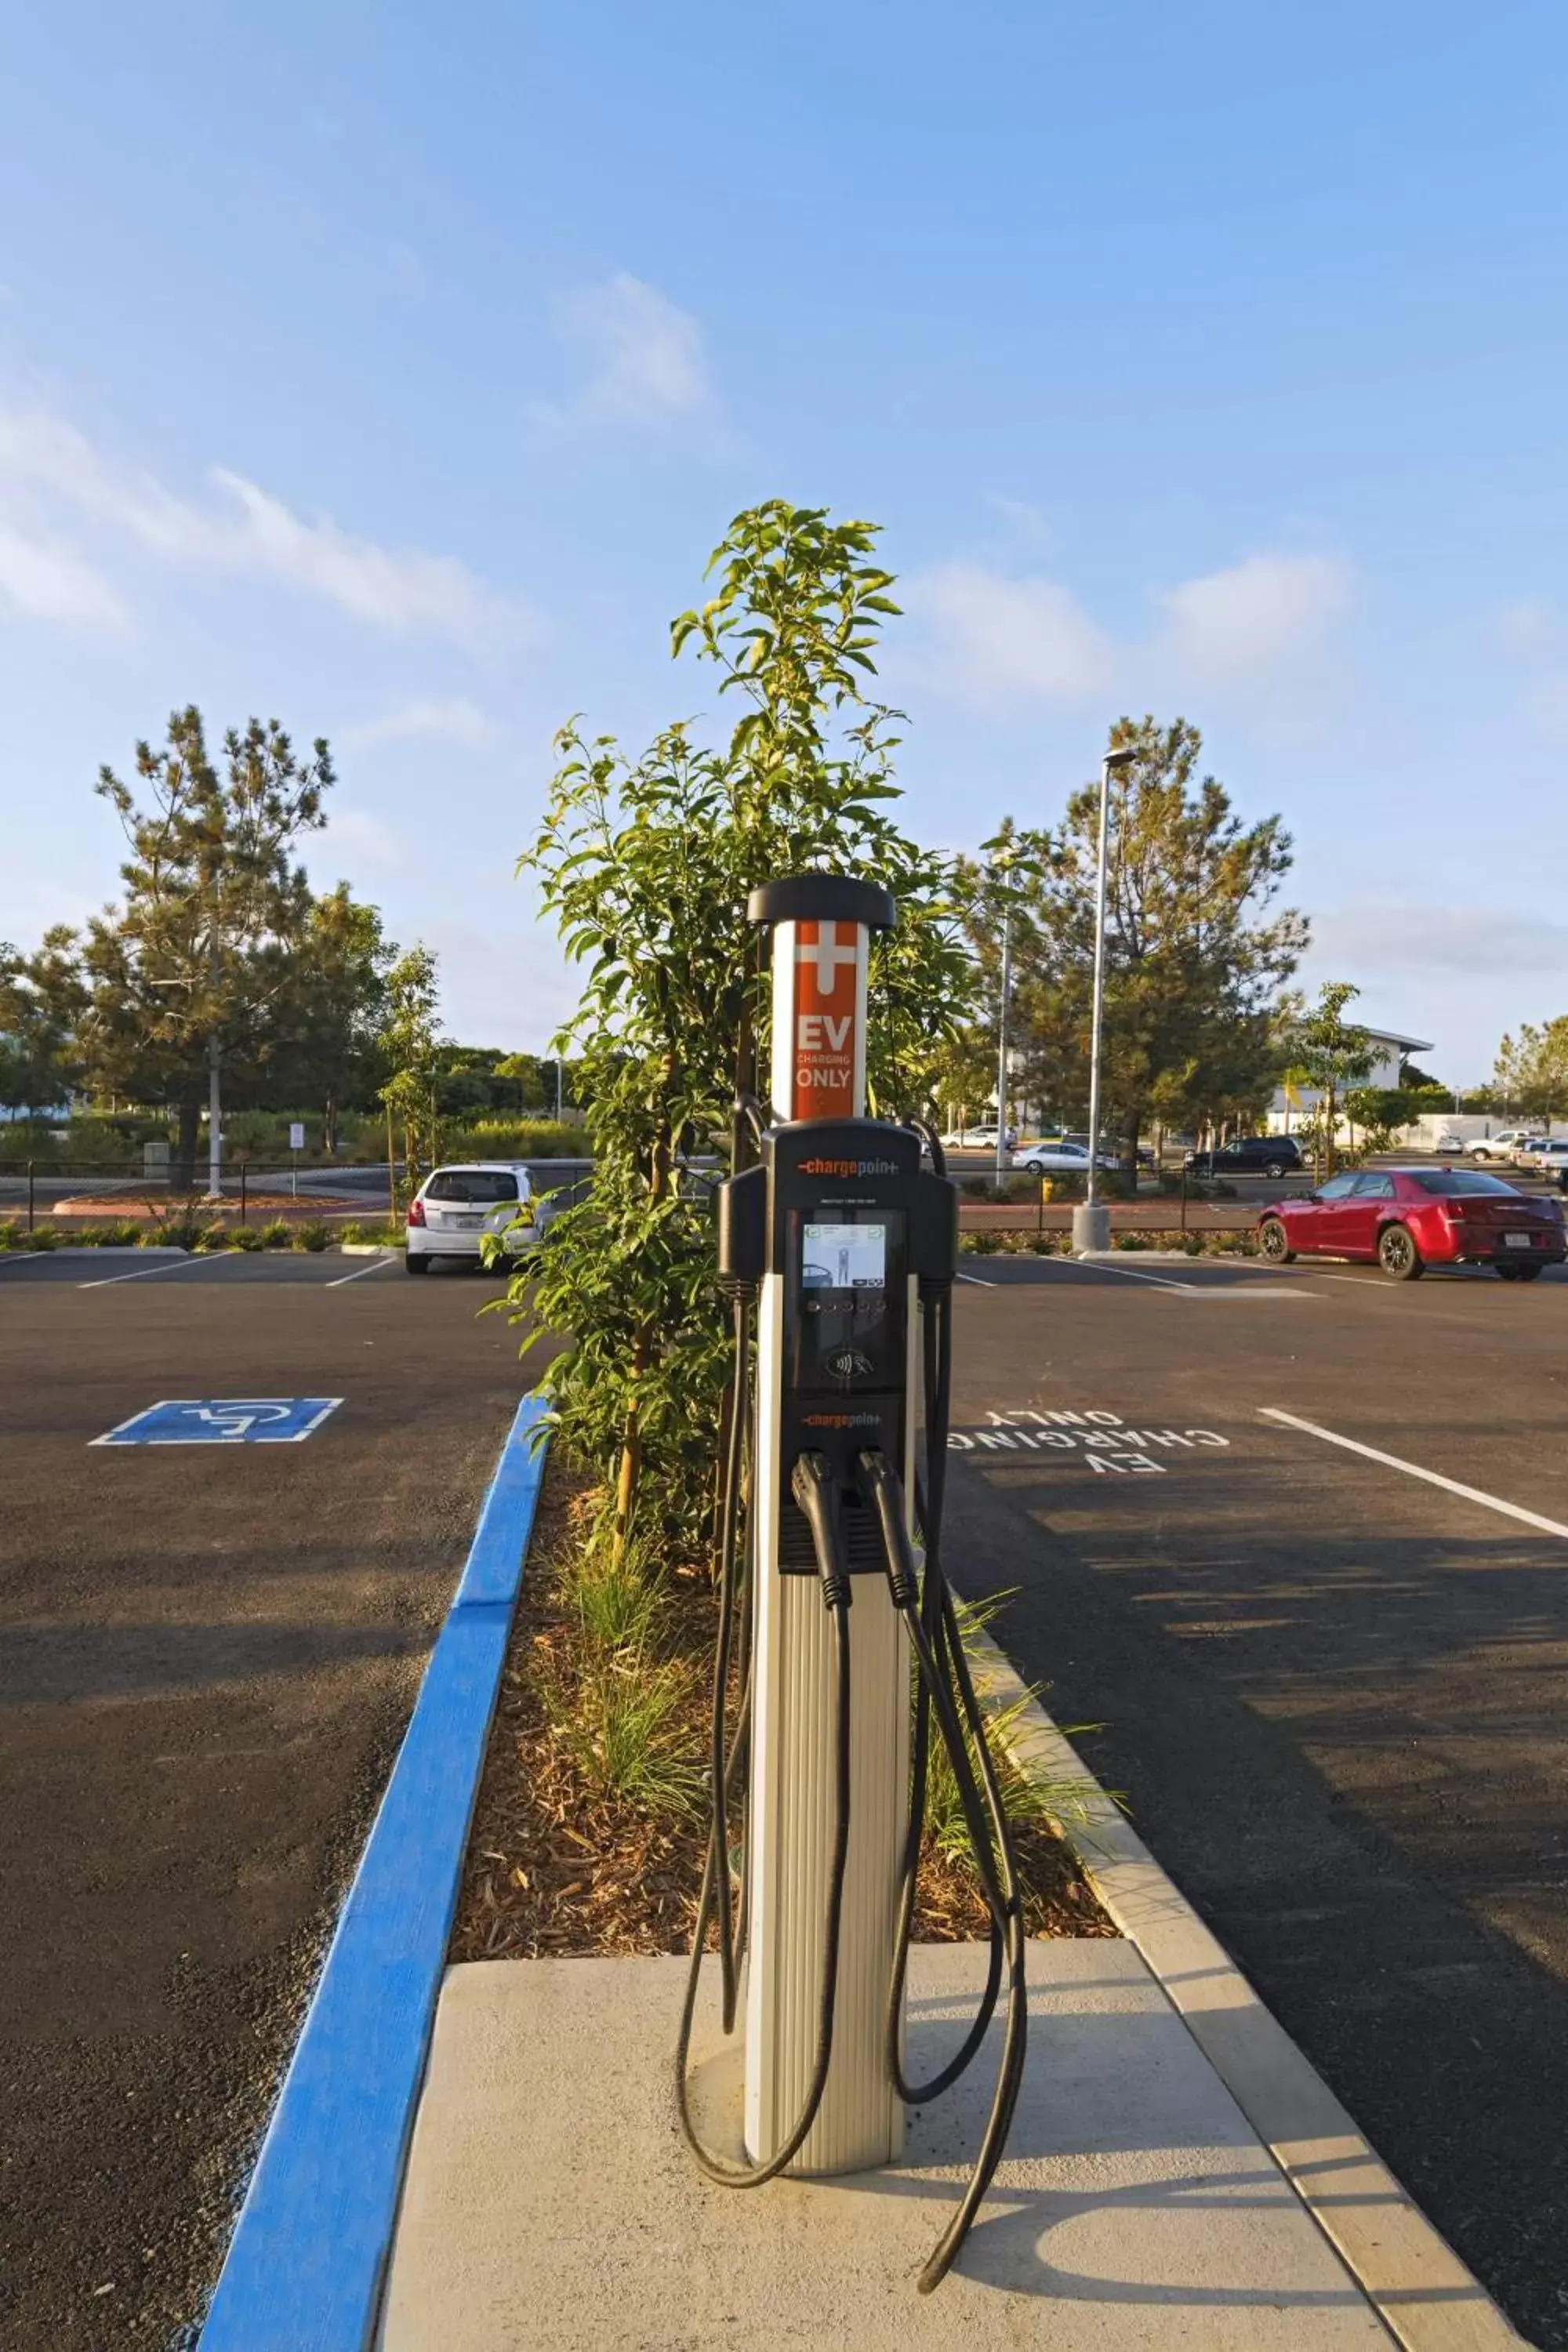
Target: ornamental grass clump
x,y
1032,1803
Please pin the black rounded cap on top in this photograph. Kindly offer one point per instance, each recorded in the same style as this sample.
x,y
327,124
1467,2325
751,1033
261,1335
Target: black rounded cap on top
x,y
822,898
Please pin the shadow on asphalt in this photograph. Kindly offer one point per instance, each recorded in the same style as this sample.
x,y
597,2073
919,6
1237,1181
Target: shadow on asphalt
x,y
1377,1839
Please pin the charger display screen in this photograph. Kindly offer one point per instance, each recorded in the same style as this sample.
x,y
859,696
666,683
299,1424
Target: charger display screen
x,y
845,1304
844,1257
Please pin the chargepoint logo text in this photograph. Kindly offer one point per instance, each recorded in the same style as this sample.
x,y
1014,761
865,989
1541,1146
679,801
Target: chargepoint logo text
x,y
849,1167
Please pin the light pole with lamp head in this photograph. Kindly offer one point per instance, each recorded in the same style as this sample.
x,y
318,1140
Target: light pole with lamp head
x,y
1092,1222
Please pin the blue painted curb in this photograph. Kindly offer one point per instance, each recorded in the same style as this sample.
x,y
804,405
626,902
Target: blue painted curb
x,y
304,2267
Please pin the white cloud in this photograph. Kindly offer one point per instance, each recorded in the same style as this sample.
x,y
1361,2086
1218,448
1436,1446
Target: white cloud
x,y
996,639
401,591
992,638
1409,938
51,582
1248,621
649,366
49,470
458,721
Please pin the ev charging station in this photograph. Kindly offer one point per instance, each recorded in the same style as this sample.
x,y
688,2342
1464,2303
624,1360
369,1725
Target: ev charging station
x,y
838,1647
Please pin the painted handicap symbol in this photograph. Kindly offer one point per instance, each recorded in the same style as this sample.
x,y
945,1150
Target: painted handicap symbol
x,y
223,1421
234,1419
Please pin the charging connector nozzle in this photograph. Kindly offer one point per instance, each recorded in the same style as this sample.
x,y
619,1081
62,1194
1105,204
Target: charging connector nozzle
x,y
811,1484
879,1484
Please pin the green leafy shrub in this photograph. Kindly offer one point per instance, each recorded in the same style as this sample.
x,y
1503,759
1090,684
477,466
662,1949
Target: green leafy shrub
x,y
182,1228
979,1245
507,1138
276,1233
314,1235
245,1237
648,864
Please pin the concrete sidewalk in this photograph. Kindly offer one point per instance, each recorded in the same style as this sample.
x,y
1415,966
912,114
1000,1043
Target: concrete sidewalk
x,y
550,2199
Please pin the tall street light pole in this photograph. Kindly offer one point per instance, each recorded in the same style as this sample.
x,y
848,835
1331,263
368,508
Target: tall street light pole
x,y
1003,1157
1091,1223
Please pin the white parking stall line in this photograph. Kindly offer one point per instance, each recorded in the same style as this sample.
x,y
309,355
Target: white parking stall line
x,y
1415,1470
976,1280
1132,1273
145,1273
359,1272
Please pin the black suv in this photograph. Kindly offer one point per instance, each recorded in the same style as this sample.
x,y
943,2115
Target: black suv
x,y
1250,1155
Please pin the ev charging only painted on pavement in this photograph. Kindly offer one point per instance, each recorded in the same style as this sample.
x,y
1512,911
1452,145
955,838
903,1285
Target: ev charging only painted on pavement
x,y
1101,1441
223,1421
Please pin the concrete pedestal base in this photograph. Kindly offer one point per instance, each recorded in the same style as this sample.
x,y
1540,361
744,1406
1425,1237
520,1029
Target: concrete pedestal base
x,y
551,2201
1091,1230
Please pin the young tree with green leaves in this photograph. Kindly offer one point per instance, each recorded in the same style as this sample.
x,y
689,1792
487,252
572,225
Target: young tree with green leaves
x,y
647,862
1329,1054
43,997
189,969
1194,955
322,1041
1531,1071
410,1041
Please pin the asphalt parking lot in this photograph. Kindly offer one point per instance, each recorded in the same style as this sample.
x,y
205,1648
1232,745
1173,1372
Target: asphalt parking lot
x,y
1334,1691
209,1652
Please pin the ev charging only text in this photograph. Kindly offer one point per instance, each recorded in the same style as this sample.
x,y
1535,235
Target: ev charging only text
x,y
1103,1441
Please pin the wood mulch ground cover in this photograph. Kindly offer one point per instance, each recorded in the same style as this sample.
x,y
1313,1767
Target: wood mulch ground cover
x,y
558,1868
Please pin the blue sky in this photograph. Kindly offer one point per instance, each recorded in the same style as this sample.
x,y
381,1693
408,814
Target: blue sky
x,y
392,370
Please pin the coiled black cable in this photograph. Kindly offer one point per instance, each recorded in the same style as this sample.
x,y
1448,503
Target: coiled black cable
x,y
937,1638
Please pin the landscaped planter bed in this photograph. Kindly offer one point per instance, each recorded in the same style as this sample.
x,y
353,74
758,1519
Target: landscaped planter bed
x,y
560,1865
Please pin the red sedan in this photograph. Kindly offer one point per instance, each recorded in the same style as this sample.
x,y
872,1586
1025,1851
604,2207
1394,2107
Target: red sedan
x,y
1407,1219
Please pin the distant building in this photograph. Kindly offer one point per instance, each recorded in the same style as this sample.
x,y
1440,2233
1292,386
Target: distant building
x,y
1390,1054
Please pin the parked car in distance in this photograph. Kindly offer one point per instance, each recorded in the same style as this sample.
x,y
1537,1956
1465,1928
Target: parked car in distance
x,y
1109,1155
1501,1146
459,1205
1407,1219
978,1138
1542,1153
1449,1141
1064,1158
1249,1155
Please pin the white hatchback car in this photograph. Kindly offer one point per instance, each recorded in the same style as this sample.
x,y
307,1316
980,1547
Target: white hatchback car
x,y
459,1205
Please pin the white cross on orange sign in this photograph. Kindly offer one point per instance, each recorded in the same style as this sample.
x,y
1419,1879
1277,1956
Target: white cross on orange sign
x,y
827,953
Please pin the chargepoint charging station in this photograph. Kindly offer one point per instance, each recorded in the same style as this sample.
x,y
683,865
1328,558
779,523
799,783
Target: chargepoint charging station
x,y
839,1656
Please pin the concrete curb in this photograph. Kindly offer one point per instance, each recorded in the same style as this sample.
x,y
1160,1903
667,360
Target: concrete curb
x,y
304,2267
1420,2289
108,1249
366,1249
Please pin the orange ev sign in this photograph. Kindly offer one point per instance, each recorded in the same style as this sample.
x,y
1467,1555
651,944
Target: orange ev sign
x,y
826,955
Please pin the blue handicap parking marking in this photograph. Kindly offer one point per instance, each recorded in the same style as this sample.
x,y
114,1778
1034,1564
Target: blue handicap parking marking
x,y
223,1421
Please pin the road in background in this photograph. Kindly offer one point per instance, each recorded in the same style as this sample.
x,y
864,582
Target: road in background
x,y
356,1189
1333,1692
209,1657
